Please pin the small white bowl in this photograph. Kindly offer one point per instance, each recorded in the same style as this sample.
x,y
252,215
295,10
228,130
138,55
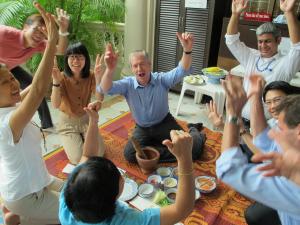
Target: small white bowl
x,y
154,180
171,194
164,171
169,182
175,172
146,190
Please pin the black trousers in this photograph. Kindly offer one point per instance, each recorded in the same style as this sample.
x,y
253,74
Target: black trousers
x,y
259,214
25,79
153,136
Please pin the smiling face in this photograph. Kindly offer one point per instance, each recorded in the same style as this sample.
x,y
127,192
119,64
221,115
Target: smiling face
x,y
76,63
267,45
9,88
141,67
273,99
33,34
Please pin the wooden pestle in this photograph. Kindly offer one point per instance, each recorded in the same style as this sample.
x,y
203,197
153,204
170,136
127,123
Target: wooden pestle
x,y
138,149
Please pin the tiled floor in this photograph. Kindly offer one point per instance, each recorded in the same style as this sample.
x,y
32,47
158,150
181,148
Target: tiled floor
x,y
114,106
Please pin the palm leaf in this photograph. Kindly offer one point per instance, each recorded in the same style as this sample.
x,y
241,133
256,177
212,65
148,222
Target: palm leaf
x,y
13,13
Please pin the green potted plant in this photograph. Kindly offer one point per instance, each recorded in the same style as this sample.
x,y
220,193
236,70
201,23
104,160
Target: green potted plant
x,y
82,14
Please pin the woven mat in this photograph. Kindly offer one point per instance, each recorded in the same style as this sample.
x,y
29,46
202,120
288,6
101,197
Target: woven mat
x,y
223,206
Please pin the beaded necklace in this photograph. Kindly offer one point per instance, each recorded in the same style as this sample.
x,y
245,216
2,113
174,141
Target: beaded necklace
x,y
266,68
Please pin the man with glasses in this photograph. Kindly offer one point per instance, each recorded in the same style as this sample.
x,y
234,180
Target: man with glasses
x,y
17,46
266,61
232,166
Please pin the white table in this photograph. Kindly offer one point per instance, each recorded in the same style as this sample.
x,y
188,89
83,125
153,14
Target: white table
x,y
216,91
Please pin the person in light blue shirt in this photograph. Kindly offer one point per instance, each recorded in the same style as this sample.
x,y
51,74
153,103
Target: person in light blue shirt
x,y
147,96
232,166
90,196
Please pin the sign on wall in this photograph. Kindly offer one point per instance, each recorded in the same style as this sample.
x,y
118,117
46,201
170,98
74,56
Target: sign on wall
x,y
200,4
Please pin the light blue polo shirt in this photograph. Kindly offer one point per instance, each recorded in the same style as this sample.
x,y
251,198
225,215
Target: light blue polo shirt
x,y
148,104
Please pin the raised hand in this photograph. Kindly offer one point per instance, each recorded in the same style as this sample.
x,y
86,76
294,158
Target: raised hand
x,y
110,57
287,5
180,144
257,84
52,33
187,40
236,96
56,74
274,165
63,20
213,114
99,67
238,6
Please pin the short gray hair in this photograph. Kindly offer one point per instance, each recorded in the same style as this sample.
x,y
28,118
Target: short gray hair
x,y
139,52
268,28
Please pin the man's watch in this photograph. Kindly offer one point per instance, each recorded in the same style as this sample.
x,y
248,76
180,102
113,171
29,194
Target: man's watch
x,y
233,119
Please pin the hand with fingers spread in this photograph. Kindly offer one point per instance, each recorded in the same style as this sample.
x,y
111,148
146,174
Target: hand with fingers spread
x,y
110,58
286,163
63,20
52,33
257,84
236,96
180,144
238,6
274,165
213,114
287,5
187,40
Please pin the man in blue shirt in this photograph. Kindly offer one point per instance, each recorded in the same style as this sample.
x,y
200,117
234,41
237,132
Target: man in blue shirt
x,y
232,166
90,196
147,96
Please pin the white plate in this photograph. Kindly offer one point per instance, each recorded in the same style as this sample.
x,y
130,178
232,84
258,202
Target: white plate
x,y
194,79
130,190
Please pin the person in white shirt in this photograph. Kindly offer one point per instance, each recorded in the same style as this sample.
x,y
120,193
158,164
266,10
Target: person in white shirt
x,y
26,187
266,61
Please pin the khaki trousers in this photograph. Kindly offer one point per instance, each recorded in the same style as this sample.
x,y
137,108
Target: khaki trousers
x,y
39,208
72,132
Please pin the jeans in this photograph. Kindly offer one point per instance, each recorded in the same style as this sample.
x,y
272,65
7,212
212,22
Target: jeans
x,y
259,214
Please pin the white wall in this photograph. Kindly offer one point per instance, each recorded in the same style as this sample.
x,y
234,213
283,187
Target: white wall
x,y
139,27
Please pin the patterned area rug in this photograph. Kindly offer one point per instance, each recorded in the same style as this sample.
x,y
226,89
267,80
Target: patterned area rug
x,y
223,206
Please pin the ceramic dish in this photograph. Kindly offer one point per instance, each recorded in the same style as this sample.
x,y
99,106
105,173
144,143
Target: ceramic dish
x,y
154,180
175,172
205,184
146,190
171,194
194,79
214,77
164,171
130,190
169,182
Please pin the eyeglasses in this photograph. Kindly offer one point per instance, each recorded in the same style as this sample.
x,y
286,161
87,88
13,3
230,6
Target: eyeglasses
x,y
274,101
78,57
